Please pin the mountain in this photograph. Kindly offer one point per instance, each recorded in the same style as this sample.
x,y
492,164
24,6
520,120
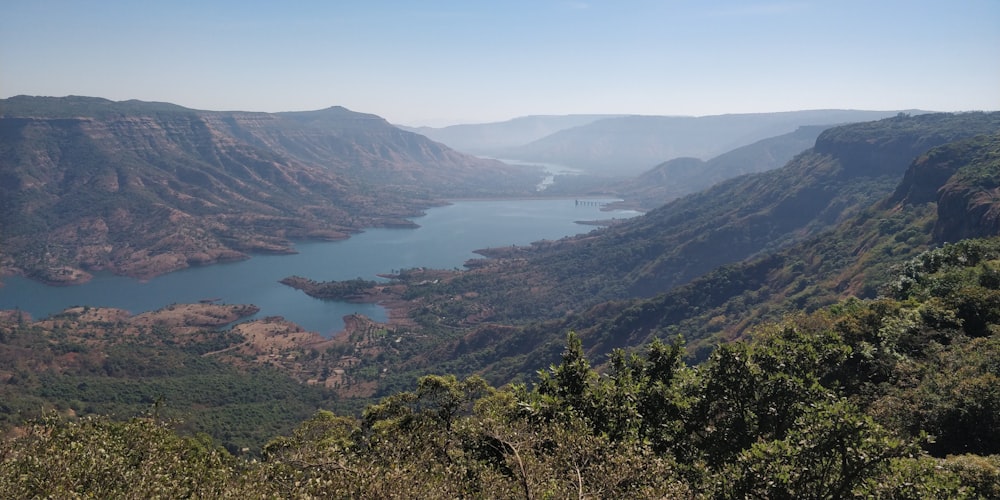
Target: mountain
x,y
858,257
146,188
488,139
831,391
849,168
961,180
701,265
368,148
630,145
680,176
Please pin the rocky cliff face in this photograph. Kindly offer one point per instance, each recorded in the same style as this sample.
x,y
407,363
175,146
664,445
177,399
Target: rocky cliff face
x,y
147,188
967,212
963,179
968,203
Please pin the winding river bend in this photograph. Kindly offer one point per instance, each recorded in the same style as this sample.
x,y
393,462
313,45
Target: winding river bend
x,y
445,239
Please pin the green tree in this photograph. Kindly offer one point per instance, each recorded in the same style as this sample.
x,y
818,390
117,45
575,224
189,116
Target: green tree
x,y
99,458
832,451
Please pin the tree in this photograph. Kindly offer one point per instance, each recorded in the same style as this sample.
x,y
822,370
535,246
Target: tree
x,y
95,457
832,451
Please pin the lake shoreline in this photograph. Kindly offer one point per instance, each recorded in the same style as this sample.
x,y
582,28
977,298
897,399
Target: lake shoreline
x,y
446,239
68,276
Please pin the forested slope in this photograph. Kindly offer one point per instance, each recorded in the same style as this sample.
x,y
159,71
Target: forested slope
x,y
853,259
887,398
849,347
850,169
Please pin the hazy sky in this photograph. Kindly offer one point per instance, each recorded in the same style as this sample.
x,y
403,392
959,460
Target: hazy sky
x,y
441,62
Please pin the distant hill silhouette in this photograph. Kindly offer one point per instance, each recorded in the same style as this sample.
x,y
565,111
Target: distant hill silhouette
x,y
680,176
629,145
491,139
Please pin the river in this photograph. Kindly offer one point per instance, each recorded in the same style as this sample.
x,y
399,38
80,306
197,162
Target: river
x,y
445,239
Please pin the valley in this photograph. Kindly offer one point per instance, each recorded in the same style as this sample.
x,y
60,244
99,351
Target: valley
x,y
840,283
720,250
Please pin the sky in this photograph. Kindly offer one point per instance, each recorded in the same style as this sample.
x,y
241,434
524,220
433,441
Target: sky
x,y
475,61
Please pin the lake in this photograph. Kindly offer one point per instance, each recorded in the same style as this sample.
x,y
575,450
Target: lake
x,y
445,239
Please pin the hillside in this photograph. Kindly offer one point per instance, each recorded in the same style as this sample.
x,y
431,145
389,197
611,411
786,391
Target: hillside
x,y
681,176
842,175
501,314
367,148
627,146
887,398
857,258
181,362
857,359
147,188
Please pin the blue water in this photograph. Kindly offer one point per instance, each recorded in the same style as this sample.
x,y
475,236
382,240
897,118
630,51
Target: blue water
x,y
446,239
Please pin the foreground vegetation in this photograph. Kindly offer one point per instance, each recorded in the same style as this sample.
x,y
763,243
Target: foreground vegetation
x,y
833,355
894,397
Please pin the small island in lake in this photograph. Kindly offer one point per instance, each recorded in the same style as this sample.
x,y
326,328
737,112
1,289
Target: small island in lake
x,y
349,290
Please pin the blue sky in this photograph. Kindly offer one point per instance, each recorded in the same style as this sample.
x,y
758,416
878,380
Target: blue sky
x,y
442,62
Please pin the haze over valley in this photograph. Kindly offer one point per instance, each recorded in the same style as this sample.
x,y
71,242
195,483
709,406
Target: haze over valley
x,y
625,146
543,249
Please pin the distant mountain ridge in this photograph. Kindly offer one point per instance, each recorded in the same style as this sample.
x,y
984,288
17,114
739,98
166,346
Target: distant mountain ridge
x,y
632,144
681,176
491,139
145,188
627,145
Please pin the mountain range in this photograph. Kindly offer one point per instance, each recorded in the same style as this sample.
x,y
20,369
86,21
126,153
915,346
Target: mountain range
x,y
825,226
823,329
681,176
624,146
491,139
145,188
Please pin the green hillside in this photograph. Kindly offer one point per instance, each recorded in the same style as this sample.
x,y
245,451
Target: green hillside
x,y
888,398
853,259
830,329
707,266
